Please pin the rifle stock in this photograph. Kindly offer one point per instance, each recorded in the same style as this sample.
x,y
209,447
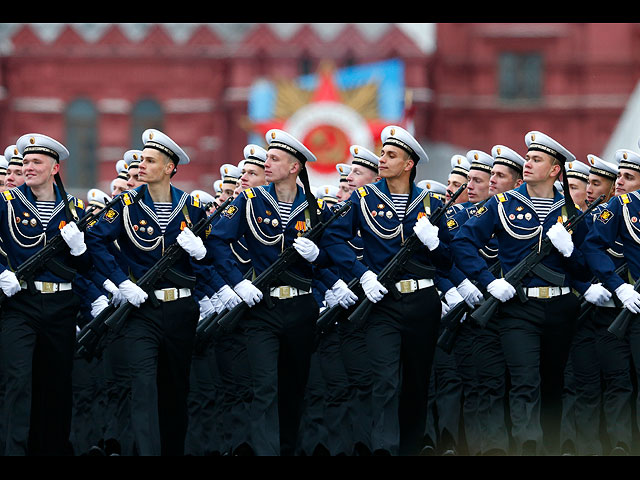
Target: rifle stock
x,y
620,324
516,275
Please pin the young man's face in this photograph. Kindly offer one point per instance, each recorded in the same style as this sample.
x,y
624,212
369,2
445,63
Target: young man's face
x,y
119,186
578,190
14,178
503,179
154,166
454,182
599,186
478,186
279,165
360,176
228,190
628,181
539,167
393,162
252,176
133,180
38,169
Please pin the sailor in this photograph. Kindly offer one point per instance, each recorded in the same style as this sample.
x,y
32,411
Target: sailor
x,y
457,177
39,317
535,328
279,329
615,226
230,176
160,329
119,184
401,333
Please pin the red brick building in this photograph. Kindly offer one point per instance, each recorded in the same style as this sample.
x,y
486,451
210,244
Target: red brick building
x,y
96,87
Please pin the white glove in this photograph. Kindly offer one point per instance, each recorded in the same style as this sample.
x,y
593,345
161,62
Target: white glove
x,y
206,307
228,297
98,305
597,294
561,239
116,297
191,244
445,309
248,292
217,304
471,294
330,298
629,297
427,233
501,289
344,296
452,297
306,248
133,293
74,238
373,289
9,283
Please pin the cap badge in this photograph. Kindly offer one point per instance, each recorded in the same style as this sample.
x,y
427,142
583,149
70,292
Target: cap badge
x,y
393,131
498,150
533,137
252,150
32,140
135,156
273,135
355,150
475,156
150,135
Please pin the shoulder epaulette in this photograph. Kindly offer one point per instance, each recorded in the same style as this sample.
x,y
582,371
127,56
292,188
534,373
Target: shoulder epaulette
x,y
320,203
195,201
249,193
126,199
624,198
362,192
501,197
7,195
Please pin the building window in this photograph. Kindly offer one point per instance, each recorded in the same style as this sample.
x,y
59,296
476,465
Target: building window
x,y
520,76
79,170
146,114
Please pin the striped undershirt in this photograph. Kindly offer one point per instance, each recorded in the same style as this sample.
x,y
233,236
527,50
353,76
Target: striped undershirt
x,y
285,210
400,202
45,209
163,212
542,207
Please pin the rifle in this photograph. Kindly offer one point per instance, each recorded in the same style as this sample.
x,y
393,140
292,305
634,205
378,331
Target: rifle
x,y
619,325
531,263
398,263
277,270
453,318
113,317
587,307
47,256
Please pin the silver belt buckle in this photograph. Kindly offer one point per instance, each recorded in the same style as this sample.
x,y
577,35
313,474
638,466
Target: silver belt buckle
x,y
285,292
169,295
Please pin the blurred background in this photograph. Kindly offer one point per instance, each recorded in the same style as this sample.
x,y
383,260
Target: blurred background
x,y
215,87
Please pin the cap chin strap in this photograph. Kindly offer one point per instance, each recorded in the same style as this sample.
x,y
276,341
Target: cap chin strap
x,y
70,207
311,199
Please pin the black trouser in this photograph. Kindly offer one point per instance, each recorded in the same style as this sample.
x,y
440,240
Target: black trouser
x,y
463,355
38,343
117,384
313,436
204,405
582,393
87,422
336,395
615,361
233,365
401,340
280,341
353,346
444,403
536,336
491,370
160,345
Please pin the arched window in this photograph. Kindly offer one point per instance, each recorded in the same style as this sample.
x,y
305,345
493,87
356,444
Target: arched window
x,y
81,139
147,113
